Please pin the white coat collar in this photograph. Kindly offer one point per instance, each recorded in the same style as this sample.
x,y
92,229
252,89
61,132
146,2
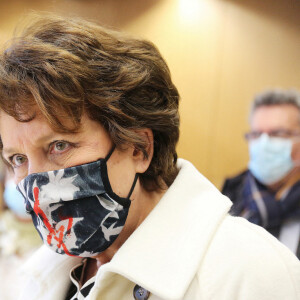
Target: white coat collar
x,y
47,274
164,253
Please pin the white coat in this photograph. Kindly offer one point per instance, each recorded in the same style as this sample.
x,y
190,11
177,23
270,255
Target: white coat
x,y
187,248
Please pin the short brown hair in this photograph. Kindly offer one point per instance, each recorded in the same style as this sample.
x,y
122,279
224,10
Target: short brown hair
x,y
70,66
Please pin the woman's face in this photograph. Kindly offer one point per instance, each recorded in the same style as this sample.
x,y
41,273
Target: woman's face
x,y
34,147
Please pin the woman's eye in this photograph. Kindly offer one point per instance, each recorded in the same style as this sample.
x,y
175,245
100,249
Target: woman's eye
x,y
59,147
18,160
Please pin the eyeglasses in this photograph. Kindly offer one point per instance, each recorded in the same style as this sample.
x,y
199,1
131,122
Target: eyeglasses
x,y
280,133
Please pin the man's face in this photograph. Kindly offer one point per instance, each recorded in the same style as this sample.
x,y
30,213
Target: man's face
x,y
282,120
274,144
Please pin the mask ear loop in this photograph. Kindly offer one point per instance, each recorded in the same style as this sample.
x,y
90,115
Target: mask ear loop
x,y
110,153
133,185
135,177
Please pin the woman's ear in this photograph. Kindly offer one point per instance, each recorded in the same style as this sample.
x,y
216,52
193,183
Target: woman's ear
x,y
142,163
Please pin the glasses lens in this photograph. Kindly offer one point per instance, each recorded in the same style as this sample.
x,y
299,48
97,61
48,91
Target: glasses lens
x,y
252,135
283,133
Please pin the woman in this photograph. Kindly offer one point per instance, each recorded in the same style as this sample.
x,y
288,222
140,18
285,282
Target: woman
x,y
89,123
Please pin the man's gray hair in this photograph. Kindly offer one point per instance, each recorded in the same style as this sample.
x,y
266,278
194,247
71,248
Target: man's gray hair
x,y
276,97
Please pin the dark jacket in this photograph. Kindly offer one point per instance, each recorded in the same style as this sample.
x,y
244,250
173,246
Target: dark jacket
x,y
233,188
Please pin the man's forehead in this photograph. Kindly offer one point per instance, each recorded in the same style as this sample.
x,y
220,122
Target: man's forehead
x,y
276,116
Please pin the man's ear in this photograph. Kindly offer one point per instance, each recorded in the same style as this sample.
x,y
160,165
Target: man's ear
x,y
296,152
142,163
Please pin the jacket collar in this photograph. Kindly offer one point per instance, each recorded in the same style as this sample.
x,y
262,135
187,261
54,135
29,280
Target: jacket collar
x,y
165,252
47,274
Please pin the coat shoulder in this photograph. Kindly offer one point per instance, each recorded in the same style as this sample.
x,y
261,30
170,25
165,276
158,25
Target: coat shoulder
x,y
245,262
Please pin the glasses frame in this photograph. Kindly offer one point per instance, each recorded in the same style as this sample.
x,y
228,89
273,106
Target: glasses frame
x,y
278,133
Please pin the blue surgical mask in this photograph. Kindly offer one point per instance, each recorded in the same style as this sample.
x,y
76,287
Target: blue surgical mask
x,y
14,200
270,158
75,210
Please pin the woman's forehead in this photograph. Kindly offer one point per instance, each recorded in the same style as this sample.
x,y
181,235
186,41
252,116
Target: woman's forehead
x,y
14,132
36,131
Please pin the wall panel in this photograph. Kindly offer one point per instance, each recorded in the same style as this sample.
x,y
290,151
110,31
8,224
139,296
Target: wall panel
x,y
220,54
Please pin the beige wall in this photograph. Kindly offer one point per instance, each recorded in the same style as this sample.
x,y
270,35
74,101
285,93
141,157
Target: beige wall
x,y
220,54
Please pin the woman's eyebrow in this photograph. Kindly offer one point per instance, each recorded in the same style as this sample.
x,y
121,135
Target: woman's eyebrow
x,y
37,141
7,151
44,138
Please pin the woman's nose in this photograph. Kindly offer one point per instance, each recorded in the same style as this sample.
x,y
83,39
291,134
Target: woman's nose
x,y
37,166
33,165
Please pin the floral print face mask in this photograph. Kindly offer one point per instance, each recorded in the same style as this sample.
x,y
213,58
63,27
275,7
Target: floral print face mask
x,y
75,210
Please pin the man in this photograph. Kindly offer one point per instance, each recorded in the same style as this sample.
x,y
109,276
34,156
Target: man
x,y
268,193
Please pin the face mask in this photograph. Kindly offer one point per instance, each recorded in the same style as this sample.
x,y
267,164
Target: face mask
x,y
270,158
75,210
14,200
